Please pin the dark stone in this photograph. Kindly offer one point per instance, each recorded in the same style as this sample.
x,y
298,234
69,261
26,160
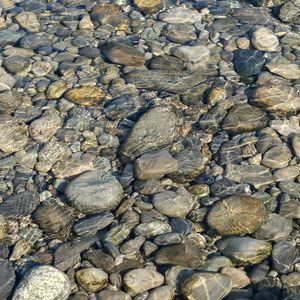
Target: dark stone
x,y
89,52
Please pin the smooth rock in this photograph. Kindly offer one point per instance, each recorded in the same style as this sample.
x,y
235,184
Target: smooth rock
x,y
7,279
43,282
147,6
29,21
275,229
34,41
148,135
56,89
7,82
288,71
180,15
154,165
165,292
140,280
14,64
237,215
113,295
152,228
124,54
192,53
86,24
92,279
239,277
245,250
85,95
286,127
173,204
290,210
243,118
290,11
248,62
264,39
206,286
286,174
94,192
9,101
295,143
277,157
290,187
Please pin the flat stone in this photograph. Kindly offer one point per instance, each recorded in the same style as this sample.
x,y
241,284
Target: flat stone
x,y
173,204
7,82
16,64
281,100
286,174
290,187
124,54
225,187
248,62
207,286
179,33
237,215
29,21
238,277
284,255
180,15
290,210
152,228
86,24
245,250
264,39
113,295
56,89
155,165
148,135
286,127
277,157
43,282
94,192
243,118
296,144
289,12
89,52
192,53
275,229
140,280
85,95
163,292
166,62
147,6
224,24
7,278
13,134
255,175
288,71
34,41
9,101
8,37
92,279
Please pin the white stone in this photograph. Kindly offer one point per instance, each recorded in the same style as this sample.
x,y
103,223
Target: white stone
x,y
192,53
86,24
265,40
180,15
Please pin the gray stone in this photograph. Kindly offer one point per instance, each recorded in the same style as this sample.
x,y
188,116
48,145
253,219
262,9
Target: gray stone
x,y
264,39
291,188
92,279
94,192
290,210
163,292
192,53
113,295
9,101
277,157
7,279
296,144
286,174
29,21
239,277
290,12
180,15
289,71
7,82
14,64
152,228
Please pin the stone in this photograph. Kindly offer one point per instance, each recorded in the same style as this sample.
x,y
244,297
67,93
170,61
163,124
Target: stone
x,y
290,210
244,250
148,135
243,118
277,157
148,7
163,292
34,41
192,53
89,52
153,165
286,174
56,89
85,95
239,277
152,228
113,295
178,33
291,188
248,62
237,215
92,279
43,282
94,192
124,54
286,127
284,255
29,21
180,15
7,82
295,143
258,272
166,62
290,12
288,71
257,176
225,187
173,204
15,64
275,229
281,100
7,279
141,280
9,101
224,24
207,286
13,134
86,24
264,39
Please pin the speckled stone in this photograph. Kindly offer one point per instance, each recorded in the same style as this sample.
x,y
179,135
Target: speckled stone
x,y
56,89
43,282
92,279
277,157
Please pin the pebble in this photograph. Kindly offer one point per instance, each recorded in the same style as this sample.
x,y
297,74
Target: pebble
x,y
290,187
43,282
148,7
86,24
7,278
29,21
180,15
141,280
237,215
15,64
113,295
290,210
7,82
56,89
192,53
92,279
239,277
264,39
296,144
277,157
94,192
163,292
289,71
245,250
207,286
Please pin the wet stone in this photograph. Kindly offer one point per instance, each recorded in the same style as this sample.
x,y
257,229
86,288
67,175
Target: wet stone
x,y
94,192
264,39
239,277
113,295
237,215
34,41
248,62
286,70
9,101
56,89
290,187
92,279
7,278
290,209
166,62
180,15
179,33
7,82
277,157
225,187
29,21
147,6
244,118
16,64
207,286
43,282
